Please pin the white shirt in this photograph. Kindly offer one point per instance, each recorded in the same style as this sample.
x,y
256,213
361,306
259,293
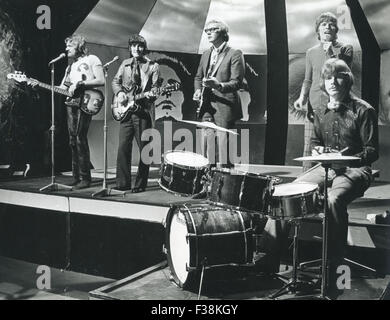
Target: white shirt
x,y
215,54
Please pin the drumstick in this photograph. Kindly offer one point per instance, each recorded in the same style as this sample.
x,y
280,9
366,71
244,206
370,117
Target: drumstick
x,y
319,164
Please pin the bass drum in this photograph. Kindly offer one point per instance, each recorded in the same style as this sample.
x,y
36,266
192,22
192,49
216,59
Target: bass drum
x,y
205,234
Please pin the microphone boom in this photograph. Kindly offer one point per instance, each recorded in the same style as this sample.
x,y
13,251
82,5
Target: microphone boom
x,y
112,61
61,56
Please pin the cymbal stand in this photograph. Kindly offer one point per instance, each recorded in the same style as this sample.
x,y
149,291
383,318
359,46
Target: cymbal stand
x,y
53,186
105,191
325,227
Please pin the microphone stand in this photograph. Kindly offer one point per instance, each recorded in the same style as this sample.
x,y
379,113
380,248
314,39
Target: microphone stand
x,y
53,186
105,191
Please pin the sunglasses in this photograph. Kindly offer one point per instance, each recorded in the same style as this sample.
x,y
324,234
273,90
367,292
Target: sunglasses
x,y
209,30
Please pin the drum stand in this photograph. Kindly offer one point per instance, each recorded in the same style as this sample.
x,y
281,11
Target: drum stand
x,y
294,284
324,267
325,226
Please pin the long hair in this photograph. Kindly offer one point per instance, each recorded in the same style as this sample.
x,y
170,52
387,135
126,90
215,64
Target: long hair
x,y
326,17
333,67
137,39
80,42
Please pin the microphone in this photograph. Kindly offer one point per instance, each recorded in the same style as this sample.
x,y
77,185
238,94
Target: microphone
x,y
112,61
61,56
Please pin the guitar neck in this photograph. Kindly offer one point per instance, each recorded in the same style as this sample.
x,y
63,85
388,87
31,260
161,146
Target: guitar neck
x,y
141,95
56,89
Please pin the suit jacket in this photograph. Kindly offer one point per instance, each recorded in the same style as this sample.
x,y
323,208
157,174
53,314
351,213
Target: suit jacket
x,y
149,78
230,73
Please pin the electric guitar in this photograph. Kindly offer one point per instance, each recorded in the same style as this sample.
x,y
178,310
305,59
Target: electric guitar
x,y
120,110
204,101
89,101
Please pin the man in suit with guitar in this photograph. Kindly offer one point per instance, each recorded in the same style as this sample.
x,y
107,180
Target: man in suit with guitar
x,y
220,75
136,75
84,72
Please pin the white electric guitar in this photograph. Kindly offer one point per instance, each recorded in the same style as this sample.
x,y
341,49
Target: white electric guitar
x,y
89,101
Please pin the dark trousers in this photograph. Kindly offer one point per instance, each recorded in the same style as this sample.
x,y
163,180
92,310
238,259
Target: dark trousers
x,y
78,125
215,144
132,127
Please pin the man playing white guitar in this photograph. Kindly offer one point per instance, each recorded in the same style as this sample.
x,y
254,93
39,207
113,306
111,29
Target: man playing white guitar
x,y
84,72
143,74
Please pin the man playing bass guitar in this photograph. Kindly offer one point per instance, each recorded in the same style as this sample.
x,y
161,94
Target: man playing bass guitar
x,y
140,73
84,72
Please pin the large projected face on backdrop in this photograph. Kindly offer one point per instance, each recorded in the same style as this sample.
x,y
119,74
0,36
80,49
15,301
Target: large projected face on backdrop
x,y
169,107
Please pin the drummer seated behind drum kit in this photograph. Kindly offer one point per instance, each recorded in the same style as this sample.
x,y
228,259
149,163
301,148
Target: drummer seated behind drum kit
x,y
224,229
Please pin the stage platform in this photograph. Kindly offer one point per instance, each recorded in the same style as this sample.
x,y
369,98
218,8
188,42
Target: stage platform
x,y
154,284
116,236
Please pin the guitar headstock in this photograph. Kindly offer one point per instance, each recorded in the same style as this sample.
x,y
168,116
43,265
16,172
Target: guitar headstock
x,y
170,87
21,77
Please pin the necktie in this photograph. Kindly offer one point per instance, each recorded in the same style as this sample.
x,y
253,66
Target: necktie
x,y
136,74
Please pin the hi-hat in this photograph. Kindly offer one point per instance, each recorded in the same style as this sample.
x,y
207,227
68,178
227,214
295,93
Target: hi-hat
x,y
328,158
210,125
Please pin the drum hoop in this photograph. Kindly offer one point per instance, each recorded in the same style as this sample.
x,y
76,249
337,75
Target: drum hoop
x,y
225,170
245,237
168,245
234,208
236,172
183,166
179,194
297,195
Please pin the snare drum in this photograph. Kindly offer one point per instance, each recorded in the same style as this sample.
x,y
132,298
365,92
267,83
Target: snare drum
x,y
203,234
182,172
240,190
294,200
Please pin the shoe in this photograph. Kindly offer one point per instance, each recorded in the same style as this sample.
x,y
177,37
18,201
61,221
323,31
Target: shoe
x,y
383,218
137,190
74,183
122,188
83,184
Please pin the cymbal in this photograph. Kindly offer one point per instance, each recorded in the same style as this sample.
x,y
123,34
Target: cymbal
x,y
328,158
210,125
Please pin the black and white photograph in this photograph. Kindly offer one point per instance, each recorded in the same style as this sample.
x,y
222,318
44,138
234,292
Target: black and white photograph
x,y
195,154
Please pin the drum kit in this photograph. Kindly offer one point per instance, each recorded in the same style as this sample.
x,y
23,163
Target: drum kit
x,y
221,229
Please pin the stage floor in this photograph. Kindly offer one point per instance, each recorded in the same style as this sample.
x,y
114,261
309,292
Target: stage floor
x,y
154,284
